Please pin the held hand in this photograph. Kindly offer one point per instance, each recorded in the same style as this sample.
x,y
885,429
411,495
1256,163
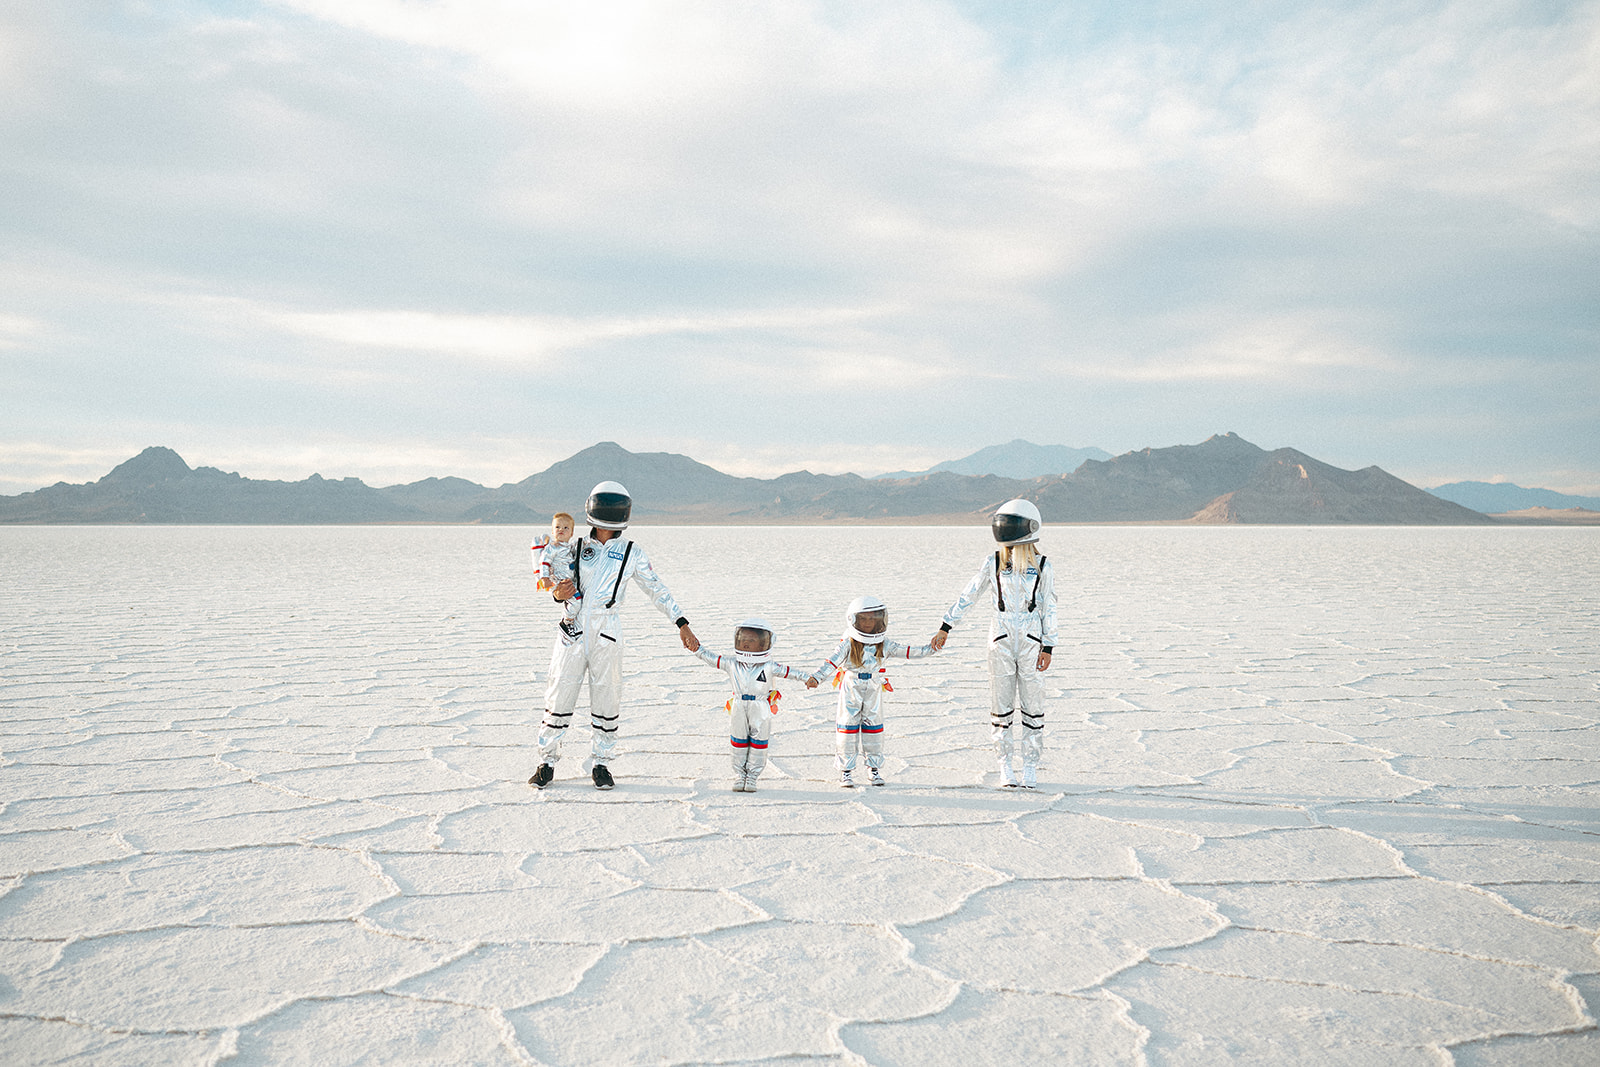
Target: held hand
x,y
564,589
938,640
1044,661
690,641
811,683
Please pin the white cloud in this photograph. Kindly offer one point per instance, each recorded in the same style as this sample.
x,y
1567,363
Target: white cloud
x,y
15,330
1271,349
529,340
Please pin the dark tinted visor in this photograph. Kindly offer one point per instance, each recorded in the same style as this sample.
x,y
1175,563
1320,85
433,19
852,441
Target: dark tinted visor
x,y
1008,528
609,507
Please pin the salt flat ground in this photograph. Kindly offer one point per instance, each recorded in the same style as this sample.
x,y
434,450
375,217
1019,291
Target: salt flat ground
x,y
1310,796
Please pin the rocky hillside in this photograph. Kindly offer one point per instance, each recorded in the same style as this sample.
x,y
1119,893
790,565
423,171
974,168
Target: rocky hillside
x,y
1226,479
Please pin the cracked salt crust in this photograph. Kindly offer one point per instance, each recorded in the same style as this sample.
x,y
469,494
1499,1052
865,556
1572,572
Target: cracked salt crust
x,y
263,802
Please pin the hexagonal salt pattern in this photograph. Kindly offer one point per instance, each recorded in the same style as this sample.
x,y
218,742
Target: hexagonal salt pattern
x,y
1310,795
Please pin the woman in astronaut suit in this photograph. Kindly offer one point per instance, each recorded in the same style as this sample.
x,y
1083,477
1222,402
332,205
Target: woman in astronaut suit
x,y
860,669
1022,634
589,642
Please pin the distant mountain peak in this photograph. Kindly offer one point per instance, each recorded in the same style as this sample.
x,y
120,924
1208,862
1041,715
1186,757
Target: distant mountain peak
x,y
1017,459
150,467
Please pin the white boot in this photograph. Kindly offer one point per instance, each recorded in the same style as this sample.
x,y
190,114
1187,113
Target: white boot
x,y
845,781
1030,776
1008,777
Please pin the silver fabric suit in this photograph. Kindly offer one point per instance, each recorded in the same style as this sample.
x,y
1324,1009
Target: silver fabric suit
x,y
860,720
552,561
750,716
589,642
1017,634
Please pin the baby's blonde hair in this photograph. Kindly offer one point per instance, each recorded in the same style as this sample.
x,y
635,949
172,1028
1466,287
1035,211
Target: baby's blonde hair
x,y
562,515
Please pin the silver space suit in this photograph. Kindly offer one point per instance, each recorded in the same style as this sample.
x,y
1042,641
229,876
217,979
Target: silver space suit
x,y
589,642
1024,624
750,711
552,562
860,720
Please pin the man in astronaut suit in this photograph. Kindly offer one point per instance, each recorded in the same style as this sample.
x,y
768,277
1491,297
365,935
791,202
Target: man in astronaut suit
x,y
590,641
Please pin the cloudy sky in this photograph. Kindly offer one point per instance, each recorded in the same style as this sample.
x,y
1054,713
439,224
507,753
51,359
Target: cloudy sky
x,y
400,238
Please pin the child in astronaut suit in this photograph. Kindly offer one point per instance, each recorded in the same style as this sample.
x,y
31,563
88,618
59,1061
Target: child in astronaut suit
x,y
552,555
859,667
552,562
754,674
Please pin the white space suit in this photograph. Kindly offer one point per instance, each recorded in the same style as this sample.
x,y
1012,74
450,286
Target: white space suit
x,y
1024,625
589,642
860,720
751,711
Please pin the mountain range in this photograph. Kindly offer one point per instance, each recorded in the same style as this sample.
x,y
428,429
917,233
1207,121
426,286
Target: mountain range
x,y
1017,459
1224,479
1504,496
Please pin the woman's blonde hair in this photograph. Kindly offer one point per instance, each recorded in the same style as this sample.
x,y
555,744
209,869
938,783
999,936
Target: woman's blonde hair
x,y
1030,556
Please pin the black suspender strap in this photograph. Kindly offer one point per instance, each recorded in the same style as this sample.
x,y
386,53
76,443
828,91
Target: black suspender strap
x,y
577,568
999,592
620,572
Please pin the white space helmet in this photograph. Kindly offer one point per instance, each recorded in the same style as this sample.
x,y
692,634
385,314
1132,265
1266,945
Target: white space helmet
x,y
752,640
867,620
608,507
1016,522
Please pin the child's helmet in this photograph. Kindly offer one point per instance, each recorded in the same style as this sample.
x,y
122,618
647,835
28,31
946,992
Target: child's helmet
x,y
756,633
609,506
1016,522
867,620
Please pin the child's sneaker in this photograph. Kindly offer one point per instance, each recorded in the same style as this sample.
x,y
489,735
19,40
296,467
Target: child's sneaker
x,y
1008,777
1030,776
877,779
845,781
543,776
602,777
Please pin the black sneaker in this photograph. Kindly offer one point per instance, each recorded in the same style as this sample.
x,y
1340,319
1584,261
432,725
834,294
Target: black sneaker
x,y
543,776
602,777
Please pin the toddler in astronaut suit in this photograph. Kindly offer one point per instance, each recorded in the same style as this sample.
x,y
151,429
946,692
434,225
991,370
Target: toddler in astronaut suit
x,y
754,674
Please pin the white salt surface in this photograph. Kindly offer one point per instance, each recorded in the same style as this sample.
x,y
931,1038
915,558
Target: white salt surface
x,y
1310,796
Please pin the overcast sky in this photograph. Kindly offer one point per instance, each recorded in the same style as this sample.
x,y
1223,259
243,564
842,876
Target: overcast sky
x,y
395,238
